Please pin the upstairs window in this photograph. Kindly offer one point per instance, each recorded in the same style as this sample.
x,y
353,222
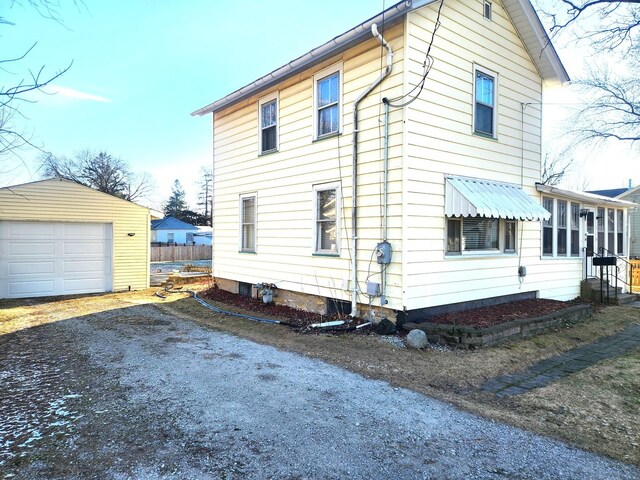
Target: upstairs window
x,y
327,225
327,102
484,113
487,10
248,223
269,124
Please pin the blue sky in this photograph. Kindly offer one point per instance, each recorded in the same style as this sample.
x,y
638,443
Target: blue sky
x,y
140,67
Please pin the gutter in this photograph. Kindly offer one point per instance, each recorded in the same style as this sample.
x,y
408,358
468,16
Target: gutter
x,y
590,198
317,55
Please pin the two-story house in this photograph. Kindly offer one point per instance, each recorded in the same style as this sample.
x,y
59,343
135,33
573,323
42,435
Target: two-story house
x,y
396,166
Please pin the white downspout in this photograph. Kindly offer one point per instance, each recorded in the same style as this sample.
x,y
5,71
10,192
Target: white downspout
x,y
354,194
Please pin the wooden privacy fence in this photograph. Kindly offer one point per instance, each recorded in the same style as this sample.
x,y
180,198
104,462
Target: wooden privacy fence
x,y
635,276
175,253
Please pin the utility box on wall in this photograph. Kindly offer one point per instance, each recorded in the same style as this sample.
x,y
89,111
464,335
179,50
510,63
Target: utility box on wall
x,y
383,253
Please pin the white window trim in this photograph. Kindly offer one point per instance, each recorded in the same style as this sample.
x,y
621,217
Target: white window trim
x,y
243,196
321,188
624,233
319,76
266,99
494,75
554,232
500,251
484,10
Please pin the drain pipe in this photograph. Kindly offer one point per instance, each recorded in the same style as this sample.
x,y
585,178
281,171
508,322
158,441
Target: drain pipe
x,y
385,200
354,193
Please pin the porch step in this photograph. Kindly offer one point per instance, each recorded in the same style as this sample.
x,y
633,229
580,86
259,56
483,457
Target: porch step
x,y
625,298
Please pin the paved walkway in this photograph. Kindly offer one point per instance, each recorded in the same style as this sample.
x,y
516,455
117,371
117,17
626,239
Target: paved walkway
x,y
543,373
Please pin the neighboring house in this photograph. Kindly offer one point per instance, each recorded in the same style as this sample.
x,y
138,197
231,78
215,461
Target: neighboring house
x,y
630,194
447,210
172,231
58,237
203,236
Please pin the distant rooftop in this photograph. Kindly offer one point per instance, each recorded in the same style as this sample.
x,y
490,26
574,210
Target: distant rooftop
x,y
171,223
611,192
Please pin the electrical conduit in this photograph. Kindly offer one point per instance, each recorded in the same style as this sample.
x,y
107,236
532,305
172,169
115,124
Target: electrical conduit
x,y
354,193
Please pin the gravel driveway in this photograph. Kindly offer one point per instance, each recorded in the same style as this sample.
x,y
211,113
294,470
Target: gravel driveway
x,y
138,393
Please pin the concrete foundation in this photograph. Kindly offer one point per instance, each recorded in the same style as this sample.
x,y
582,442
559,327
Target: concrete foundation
x,y
308,302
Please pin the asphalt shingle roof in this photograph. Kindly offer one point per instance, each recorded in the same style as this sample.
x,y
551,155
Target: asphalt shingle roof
x,y
171,223
611,192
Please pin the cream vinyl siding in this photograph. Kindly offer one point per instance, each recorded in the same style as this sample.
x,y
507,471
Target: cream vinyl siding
x,y
65,201
284,180
439,141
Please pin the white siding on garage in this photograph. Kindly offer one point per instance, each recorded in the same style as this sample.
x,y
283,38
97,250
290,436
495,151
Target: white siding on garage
x,y
59,201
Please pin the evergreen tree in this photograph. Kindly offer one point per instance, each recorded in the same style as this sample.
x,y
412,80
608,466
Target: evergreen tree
x,y
176,203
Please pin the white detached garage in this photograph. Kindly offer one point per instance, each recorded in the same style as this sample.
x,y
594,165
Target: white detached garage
x,y
60,238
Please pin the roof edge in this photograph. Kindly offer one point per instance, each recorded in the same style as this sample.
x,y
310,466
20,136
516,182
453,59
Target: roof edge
x,y
545,46
315,56
585,197
66,180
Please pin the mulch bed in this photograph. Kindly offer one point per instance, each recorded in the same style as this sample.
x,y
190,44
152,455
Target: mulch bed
x,y
496,314
298,319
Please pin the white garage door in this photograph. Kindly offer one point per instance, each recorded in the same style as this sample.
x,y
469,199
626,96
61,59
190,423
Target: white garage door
x,y
45,258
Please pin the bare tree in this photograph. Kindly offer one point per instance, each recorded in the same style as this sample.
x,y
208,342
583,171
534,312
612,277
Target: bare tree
x,y
16,86
555,166
614,112
100,171
606,24
205,196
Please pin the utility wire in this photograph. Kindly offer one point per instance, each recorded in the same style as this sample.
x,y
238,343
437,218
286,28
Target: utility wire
x,y
427,64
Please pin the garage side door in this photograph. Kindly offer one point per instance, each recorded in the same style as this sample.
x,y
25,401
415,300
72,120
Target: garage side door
x,y
54,258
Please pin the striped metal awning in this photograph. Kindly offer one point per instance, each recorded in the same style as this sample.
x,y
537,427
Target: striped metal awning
x,y
476,197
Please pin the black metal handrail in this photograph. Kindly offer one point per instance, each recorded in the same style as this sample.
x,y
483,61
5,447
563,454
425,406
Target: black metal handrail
x,y
605,272
628,267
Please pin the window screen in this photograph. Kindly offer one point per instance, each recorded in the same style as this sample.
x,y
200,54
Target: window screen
x,y
547,228
248,224
268,125
620,232
561,223
485,103
326,226
611,230
328,91
575,229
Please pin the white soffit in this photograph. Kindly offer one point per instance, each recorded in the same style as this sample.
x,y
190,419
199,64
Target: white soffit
x,y
476,197
536,41
584,197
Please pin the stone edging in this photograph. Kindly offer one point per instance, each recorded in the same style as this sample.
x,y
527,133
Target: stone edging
x,y
467,336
